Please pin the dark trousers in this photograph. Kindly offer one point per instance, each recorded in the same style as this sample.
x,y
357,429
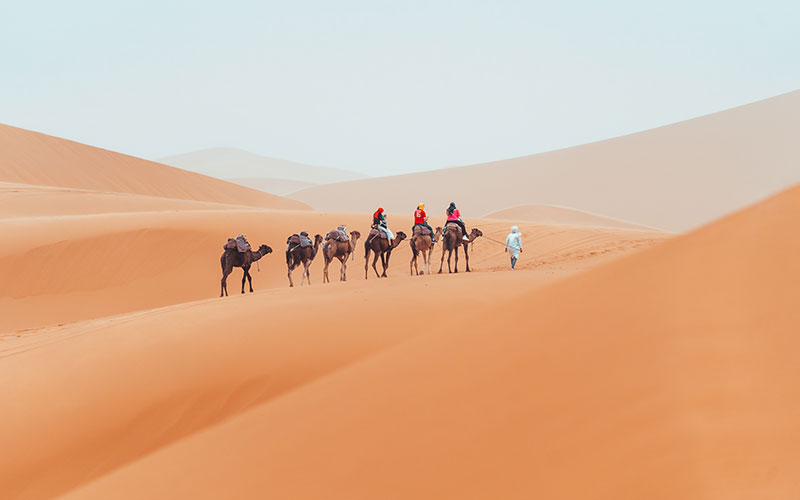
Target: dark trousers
x,y
460,223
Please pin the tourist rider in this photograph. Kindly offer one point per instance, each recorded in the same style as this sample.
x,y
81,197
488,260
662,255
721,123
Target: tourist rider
x,y
379,221
421,219
514,245
454,217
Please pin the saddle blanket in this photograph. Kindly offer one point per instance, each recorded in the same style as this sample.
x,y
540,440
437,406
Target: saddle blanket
x,y
337,235
300,239
377,233
421,230
239,244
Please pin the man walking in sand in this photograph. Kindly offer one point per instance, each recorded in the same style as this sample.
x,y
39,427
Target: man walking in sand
x,y
514,245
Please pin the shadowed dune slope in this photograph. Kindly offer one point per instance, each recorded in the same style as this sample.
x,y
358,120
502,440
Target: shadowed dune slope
x,y
674,177
28,157
549,214
668,374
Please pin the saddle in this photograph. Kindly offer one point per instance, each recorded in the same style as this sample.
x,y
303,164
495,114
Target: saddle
x,y
377,233
337,235
239,244
451,226
302,240
420,230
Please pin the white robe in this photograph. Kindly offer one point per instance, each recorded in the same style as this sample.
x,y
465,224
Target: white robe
x,y
514,244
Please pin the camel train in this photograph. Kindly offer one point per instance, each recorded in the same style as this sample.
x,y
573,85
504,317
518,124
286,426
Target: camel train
x,y
338,244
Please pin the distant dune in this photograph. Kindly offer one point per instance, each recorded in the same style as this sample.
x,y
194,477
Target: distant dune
x,y
674,177
28,157
230,163
549,214
280,187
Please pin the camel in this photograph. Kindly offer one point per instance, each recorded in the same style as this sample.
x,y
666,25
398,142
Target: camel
x,y
296,255
382,249
234,258
341,250
423,245
451,239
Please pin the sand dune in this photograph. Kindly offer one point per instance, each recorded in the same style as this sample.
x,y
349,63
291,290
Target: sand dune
x,y
675,177
24,200
549,214
28,157
70,268
281,187
225,163
668,374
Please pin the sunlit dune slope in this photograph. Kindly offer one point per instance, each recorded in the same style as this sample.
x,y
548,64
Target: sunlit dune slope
x,y
669,374
675,177
28,157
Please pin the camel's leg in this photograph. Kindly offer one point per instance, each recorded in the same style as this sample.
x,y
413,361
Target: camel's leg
x,y
456,249
449,257
305,274
224,282
244,278
343,271
289,273
441,264
374,262
411,266
466,256
366,262
385,263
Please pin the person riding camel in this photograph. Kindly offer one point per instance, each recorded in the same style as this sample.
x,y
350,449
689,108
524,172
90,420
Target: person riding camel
x,y
421,219
454,217
379,222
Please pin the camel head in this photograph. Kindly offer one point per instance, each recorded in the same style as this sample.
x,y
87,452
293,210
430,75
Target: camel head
x,y
400,236
317,239
437,234
264,250
475,233
355,235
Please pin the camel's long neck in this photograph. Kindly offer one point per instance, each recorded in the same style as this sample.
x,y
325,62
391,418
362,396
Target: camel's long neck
x,y
254,256
316,246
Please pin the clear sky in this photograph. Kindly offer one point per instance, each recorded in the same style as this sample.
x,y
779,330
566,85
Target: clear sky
x,y
384,87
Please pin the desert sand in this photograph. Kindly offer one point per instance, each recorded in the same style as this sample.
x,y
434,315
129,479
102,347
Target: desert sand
x,y
616,362
549,214
673,178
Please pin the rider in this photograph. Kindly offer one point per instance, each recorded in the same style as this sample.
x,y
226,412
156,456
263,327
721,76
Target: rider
x,y
454,217
379,221
421,219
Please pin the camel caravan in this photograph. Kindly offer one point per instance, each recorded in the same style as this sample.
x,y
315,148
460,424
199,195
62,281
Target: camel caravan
x,y
341,245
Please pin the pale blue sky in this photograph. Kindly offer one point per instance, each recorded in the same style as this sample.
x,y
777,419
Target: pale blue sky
x,y
383,86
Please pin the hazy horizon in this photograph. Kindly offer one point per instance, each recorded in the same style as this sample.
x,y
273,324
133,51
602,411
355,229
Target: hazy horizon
x,y
382,88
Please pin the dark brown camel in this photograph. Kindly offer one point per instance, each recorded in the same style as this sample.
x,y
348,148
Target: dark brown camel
x,y
296,255
382,249
451,240
234,258
341,250
423,244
